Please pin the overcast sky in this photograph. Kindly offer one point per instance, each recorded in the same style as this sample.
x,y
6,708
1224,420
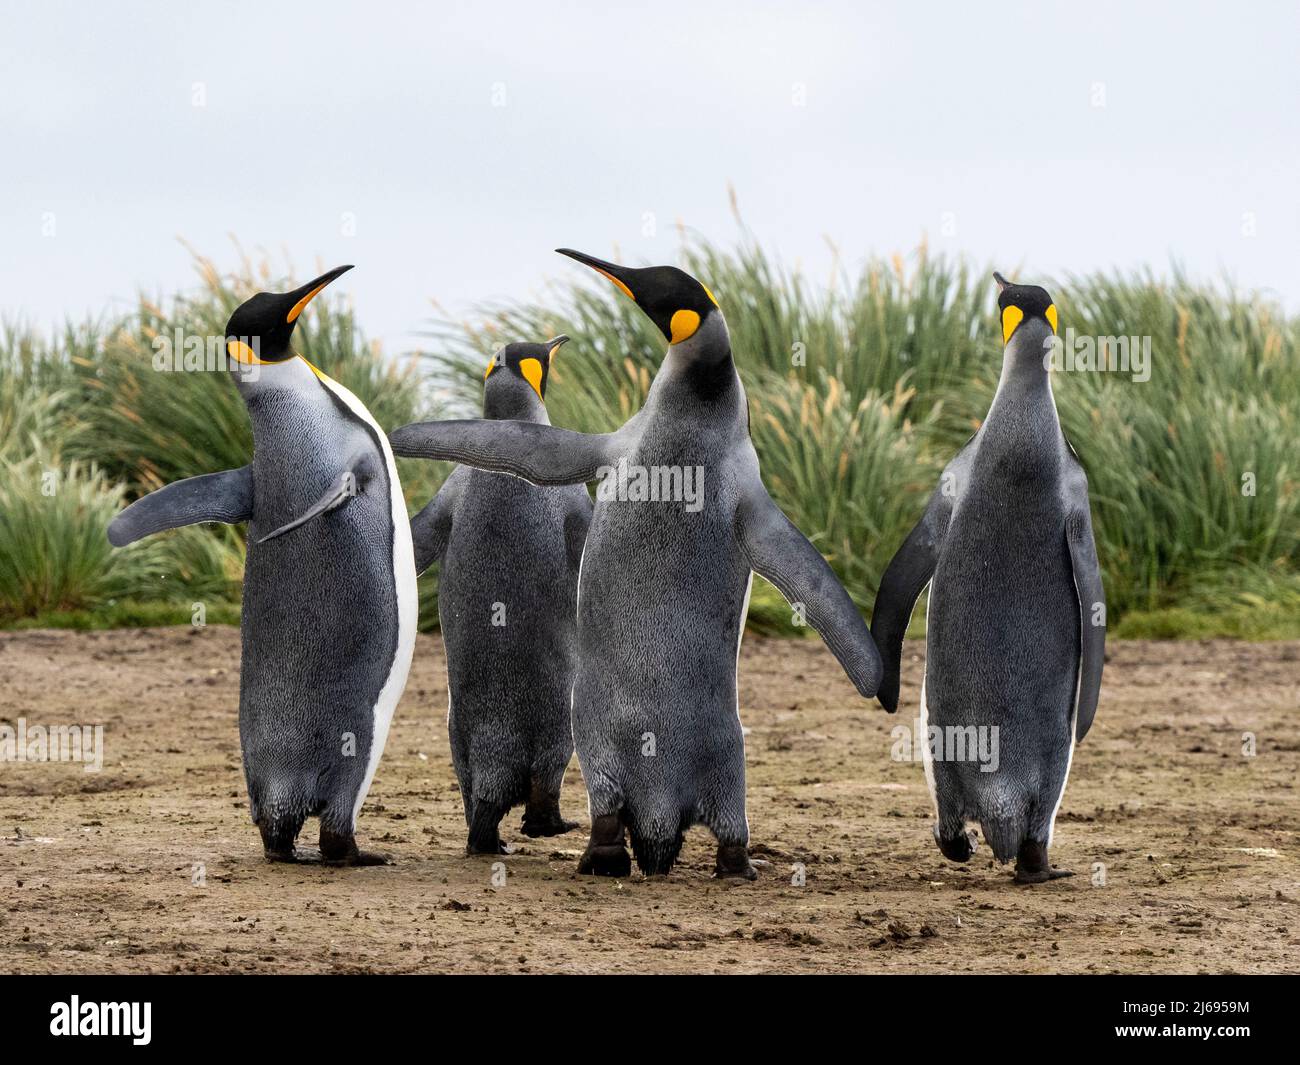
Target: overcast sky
x,y
447,151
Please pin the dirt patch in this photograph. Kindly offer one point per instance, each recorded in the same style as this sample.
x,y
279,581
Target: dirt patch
x,y
1198,841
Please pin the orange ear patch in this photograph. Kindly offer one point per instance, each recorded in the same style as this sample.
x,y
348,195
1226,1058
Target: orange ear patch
x,y
1011,317
241,352
683,326
532,372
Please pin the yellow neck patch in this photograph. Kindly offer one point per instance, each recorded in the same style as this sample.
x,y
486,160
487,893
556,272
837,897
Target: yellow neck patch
x,y
1051,317
532,371
490,367
319,373
683,326
241,352
1011,317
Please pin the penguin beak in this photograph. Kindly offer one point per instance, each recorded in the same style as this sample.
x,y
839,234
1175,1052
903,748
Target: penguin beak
x,y
552,346
300,297
621,276
1003,283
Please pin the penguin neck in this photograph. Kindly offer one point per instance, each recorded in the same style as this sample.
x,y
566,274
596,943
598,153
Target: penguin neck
x,y
1022,420
1025,380
702,366
515,405
285,380
278,396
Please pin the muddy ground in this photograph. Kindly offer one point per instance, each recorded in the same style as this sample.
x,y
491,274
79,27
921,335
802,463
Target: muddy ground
x,y
151,865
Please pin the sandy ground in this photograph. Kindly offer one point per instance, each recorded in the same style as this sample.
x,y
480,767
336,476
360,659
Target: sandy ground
x,y
152,864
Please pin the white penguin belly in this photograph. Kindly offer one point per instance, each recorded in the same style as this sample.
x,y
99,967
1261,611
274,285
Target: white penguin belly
x,y
407,601
924,738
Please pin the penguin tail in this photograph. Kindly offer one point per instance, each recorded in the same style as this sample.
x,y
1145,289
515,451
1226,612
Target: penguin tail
x,y
1004,836
656,841
280,807
655,856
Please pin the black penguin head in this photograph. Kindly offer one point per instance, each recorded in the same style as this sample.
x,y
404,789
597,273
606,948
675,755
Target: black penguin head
x,y
516,377
1017,303
671,298
261,327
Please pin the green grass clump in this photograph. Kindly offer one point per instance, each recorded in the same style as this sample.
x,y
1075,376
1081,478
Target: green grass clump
x,y
149,428
131,613
860,391
87,423
55,554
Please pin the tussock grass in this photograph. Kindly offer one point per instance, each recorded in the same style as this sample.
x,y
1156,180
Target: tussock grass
x,y
860,391
89,409
149,428
55,555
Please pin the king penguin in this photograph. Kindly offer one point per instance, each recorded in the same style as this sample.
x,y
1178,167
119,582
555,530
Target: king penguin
x,y
507,595
681,523
329,606
1015,629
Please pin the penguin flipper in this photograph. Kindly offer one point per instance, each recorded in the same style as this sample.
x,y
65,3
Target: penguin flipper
x,y
536,452
343,488
1092,620
431,528
225,497
782,554
908,572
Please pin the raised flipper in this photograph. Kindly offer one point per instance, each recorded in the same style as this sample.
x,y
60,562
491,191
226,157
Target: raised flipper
x,y
431,527
908,572
782,554
1092,601
343,488
225,497
538,453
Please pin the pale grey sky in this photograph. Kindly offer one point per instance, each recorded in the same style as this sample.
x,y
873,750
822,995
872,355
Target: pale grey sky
x,y
466,141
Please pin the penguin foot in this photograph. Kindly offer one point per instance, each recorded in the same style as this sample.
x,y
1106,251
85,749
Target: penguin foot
x,y
542,813
281,855
278,838
957,848
606,853
1041,876
733,863
556,826
359,857
1032,866
608,860
340,848
484,837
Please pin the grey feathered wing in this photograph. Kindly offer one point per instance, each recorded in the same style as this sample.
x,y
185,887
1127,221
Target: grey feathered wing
x,y
225,497
1092,601
538,453
782,554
